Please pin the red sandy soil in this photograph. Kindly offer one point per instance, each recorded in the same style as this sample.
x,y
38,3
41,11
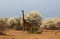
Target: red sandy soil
x,y
46,34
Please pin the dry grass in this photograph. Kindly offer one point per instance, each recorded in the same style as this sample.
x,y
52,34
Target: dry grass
x,y
46,34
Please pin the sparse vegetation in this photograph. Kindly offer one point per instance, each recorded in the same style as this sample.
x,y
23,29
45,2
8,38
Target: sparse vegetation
x,y
37,27
35,20
51,24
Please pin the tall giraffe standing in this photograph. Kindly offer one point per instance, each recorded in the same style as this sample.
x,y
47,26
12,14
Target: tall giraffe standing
x,y
26,25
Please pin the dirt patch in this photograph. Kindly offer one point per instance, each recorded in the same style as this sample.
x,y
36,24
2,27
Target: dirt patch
x,y
46,34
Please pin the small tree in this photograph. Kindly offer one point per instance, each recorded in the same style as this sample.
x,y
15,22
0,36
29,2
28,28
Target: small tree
x,y
52,23
34,19
18,26
11,23
2,25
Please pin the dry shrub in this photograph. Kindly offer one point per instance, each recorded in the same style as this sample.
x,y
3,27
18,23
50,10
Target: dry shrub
x,y
52,23
34,18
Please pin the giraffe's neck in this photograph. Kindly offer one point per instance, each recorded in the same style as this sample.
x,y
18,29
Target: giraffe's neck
x,y
23,16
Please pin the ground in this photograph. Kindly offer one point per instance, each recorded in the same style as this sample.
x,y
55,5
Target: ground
x,y
46,34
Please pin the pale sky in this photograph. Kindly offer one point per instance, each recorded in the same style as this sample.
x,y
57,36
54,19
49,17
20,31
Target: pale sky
x,y
12,8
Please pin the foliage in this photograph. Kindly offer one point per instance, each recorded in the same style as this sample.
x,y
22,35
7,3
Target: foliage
x,y
52,23
34,19
2,26
18,26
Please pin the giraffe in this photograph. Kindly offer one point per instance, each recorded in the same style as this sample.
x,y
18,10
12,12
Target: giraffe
x,y
26,25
